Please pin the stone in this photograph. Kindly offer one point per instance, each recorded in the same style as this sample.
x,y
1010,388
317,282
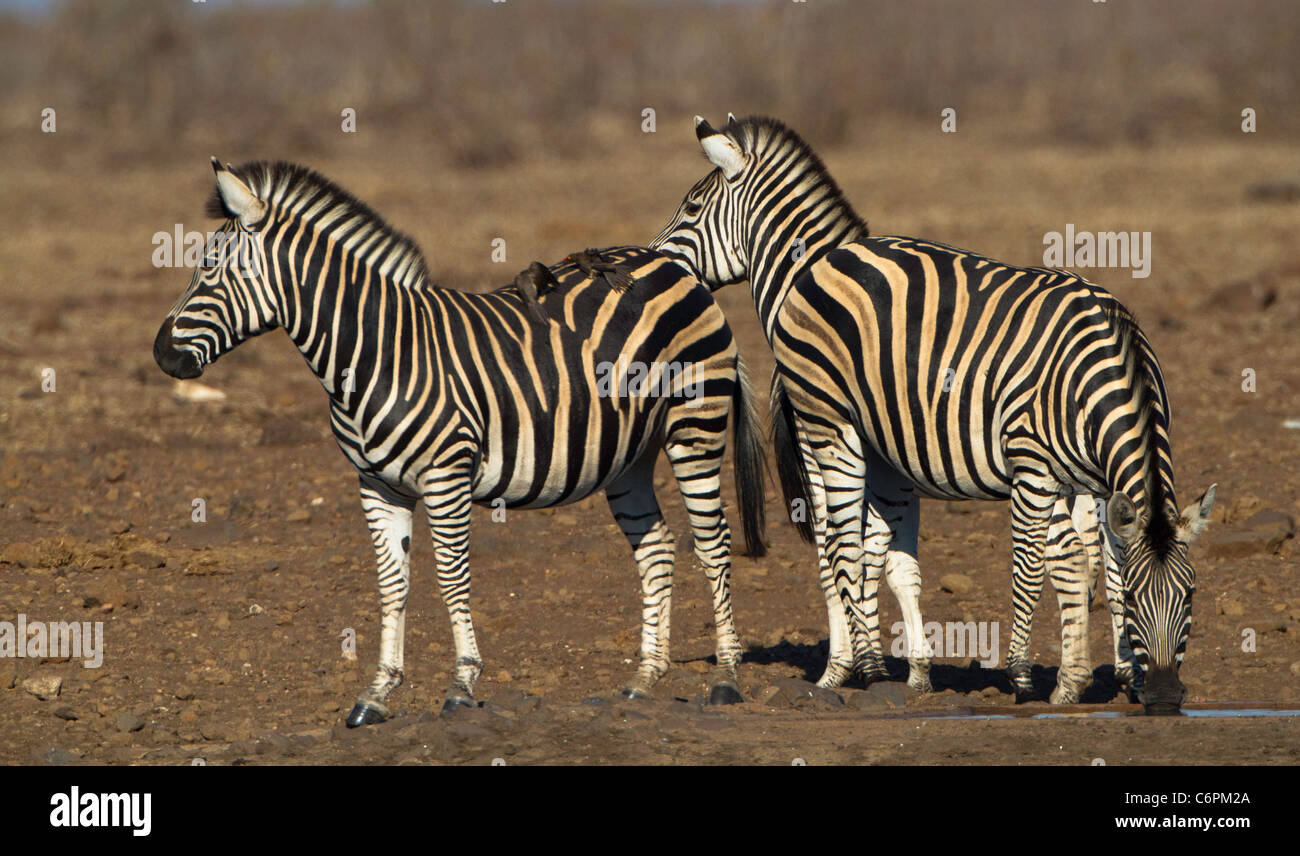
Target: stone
x,y
958,584
147,559
128,722
44,687
65,712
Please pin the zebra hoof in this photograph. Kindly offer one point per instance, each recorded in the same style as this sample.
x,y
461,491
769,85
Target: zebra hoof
x,y
632,694
456,699
725,692
921,685
366,713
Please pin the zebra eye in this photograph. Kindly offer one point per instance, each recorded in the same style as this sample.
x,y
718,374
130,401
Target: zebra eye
x,y
693,208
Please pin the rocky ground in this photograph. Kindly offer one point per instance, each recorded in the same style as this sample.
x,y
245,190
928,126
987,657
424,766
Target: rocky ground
x,y
224,638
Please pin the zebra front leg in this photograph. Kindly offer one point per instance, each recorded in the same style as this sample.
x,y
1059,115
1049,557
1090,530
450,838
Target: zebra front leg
x,y
1031,506
696,458
1067,564
389,518
632,501
447,501
1125,660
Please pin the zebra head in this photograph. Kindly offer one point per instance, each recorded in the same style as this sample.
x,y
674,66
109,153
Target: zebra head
x,y
228,299
1159,581
706,233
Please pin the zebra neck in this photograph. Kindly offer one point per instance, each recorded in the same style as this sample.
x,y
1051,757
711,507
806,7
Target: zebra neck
x,y
350,322
779,260
1144,474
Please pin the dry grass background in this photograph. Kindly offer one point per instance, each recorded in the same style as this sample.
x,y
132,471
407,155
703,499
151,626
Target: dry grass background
x,y
484,83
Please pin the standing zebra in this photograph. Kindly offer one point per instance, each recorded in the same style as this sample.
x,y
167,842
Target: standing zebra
x,y
908,367
442,399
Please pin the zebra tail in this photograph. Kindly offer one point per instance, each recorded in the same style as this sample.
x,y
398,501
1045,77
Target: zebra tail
x,y
751,465
789,463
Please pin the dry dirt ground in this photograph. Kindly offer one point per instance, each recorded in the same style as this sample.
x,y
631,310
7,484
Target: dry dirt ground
x,y
222,639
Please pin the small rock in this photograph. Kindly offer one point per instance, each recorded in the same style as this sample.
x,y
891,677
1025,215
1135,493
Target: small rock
x,y
128,722
22,554
299,515
65,712
958,584
1295,668
56,757
881,695
504,677
44,687
1231,608
146,559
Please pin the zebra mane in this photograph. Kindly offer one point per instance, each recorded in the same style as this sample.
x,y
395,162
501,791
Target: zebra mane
x,y
764,134
1135,351
290,188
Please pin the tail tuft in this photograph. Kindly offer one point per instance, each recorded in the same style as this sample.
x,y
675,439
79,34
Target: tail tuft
x,y
789,463
751,464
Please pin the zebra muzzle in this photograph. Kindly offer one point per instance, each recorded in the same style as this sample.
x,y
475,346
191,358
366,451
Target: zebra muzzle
x,y
1162,693
178,363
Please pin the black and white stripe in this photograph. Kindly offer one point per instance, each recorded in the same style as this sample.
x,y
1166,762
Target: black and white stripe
x,y
443,399
906,367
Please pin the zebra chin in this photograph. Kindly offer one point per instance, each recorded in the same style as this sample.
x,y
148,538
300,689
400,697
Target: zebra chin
x,y
175,361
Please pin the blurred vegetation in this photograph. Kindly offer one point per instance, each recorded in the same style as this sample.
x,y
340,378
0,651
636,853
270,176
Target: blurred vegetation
x,y
487,83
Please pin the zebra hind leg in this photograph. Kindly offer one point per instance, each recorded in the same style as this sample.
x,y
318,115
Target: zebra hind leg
x,y
893,499
696,458
636,510
389,519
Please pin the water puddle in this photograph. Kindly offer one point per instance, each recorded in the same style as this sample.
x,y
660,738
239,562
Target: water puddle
x,y
1199,710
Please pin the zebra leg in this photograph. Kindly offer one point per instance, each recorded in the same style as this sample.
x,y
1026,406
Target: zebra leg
x,y
447,501
632,500
893,499
1031,507
844,475
1125,660
696,457
1067,565
389,519
839,665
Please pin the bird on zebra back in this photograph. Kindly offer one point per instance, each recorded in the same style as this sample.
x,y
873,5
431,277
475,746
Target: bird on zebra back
x,y
906,368
442,399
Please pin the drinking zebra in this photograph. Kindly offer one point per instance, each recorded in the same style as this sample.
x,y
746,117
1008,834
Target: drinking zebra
x,y
443,399
908,367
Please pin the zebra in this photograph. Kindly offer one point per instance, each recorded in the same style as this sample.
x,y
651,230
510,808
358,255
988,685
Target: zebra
x,y
442,399
908,367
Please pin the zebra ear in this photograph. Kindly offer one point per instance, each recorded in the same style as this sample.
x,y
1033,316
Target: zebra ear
x,y
1121,517
237,197
720,149
1196,517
